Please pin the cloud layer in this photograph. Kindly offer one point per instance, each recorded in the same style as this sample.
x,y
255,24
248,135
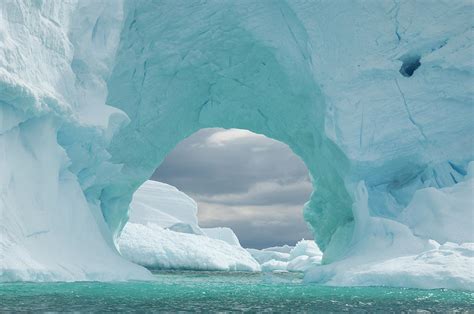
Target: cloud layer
x,y
242,180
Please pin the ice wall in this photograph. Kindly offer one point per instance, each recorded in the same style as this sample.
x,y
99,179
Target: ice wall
x,y
375,97
52,68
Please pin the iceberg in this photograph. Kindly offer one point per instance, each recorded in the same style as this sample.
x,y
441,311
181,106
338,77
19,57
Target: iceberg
x,y
445,266
163,233
299,258
376,99
158,248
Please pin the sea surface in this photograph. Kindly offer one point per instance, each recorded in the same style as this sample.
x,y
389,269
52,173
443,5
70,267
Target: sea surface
x,y
226,291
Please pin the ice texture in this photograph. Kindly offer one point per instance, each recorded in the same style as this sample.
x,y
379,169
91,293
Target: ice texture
x,y
375,97
446,266
413,260
158,248
162,204
444,214
163,233
304,255
222,233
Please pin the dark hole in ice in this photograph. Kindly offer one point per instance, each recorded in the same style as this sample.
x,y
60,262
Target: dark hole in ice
x,y
409,66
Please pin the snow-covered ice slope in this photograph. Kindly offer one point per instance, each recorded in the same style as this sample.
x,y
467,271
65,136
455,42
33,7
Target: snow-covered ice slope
x,y
163,233
155,247
446,266
439,214
375,97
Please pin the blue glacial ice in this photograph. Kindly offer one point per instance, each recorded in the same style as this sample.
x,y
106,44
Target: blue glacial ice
x,y
375,97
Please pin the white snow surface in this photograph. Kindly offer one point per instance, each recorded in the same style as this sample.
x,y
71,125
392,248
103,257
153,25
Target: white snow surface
x,y
307,248
163,233
92,99
155,247
447,266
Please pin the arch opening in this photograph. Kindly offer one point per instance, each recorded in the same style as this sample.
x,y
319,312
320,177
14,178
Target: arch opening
x,y
242,180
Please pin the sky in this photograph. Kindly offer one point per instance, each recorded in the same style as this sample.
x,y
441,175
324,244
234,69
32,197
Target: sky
x,y
255,185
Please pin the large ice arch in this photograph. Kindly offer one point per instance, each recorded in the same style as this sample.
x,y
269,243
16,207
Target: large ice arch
x,y
233,77
377,92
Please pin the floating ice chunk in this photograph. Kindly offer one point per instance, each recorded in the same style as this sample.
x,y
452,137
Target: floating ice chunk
x,y
449,266
263,256
163,233
299,258
155,247
274,265
282,249
307,248
303,263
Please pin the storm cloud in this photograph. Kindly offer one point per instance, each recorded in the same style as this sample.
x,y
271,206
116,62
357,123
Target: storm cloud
x,y
255,185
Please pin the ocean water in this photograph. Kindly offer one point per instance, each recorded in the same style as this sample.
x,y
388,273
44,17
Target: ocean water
x,y
224,291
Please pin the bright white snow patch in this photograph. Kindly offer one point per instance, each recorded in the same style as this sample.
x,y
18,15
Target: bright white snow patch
x,y
448,266
163,233
157,248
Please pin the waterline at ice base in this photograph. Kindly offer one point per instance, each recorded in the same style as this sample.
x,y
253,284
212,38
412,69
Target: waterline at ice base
x,y
376,98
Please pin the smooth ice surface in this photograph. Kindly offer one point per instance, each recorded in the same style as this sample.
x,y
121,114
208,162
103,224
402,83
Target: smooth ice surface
x,y
222,233
163,233
162,204
444,214
375,97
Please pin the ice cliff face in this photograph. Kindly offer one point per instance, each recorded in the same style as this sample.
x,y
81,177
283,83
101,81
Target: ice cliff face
x,y
375,97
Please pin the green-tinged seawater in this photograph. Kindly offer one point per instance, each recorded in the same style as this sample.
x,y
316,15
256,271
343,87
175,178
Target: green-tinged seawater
x,y
223,291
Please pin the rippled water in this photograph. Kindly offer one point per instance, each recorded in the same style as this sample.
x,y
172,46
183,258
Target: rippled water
x,y
220,291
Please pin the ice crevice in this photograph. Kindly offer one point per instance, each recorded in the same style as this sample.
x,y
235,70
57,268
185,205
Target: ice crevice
x,y
410,116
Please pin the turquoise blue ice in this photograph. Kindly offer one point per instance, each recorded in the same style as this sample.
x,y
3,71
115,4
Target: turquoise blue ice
x,y
375,97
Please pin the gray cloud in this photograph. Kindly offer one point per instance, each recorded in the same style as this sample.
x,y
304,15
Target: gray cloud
x,y
258,226
263,193
248,182
230,168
